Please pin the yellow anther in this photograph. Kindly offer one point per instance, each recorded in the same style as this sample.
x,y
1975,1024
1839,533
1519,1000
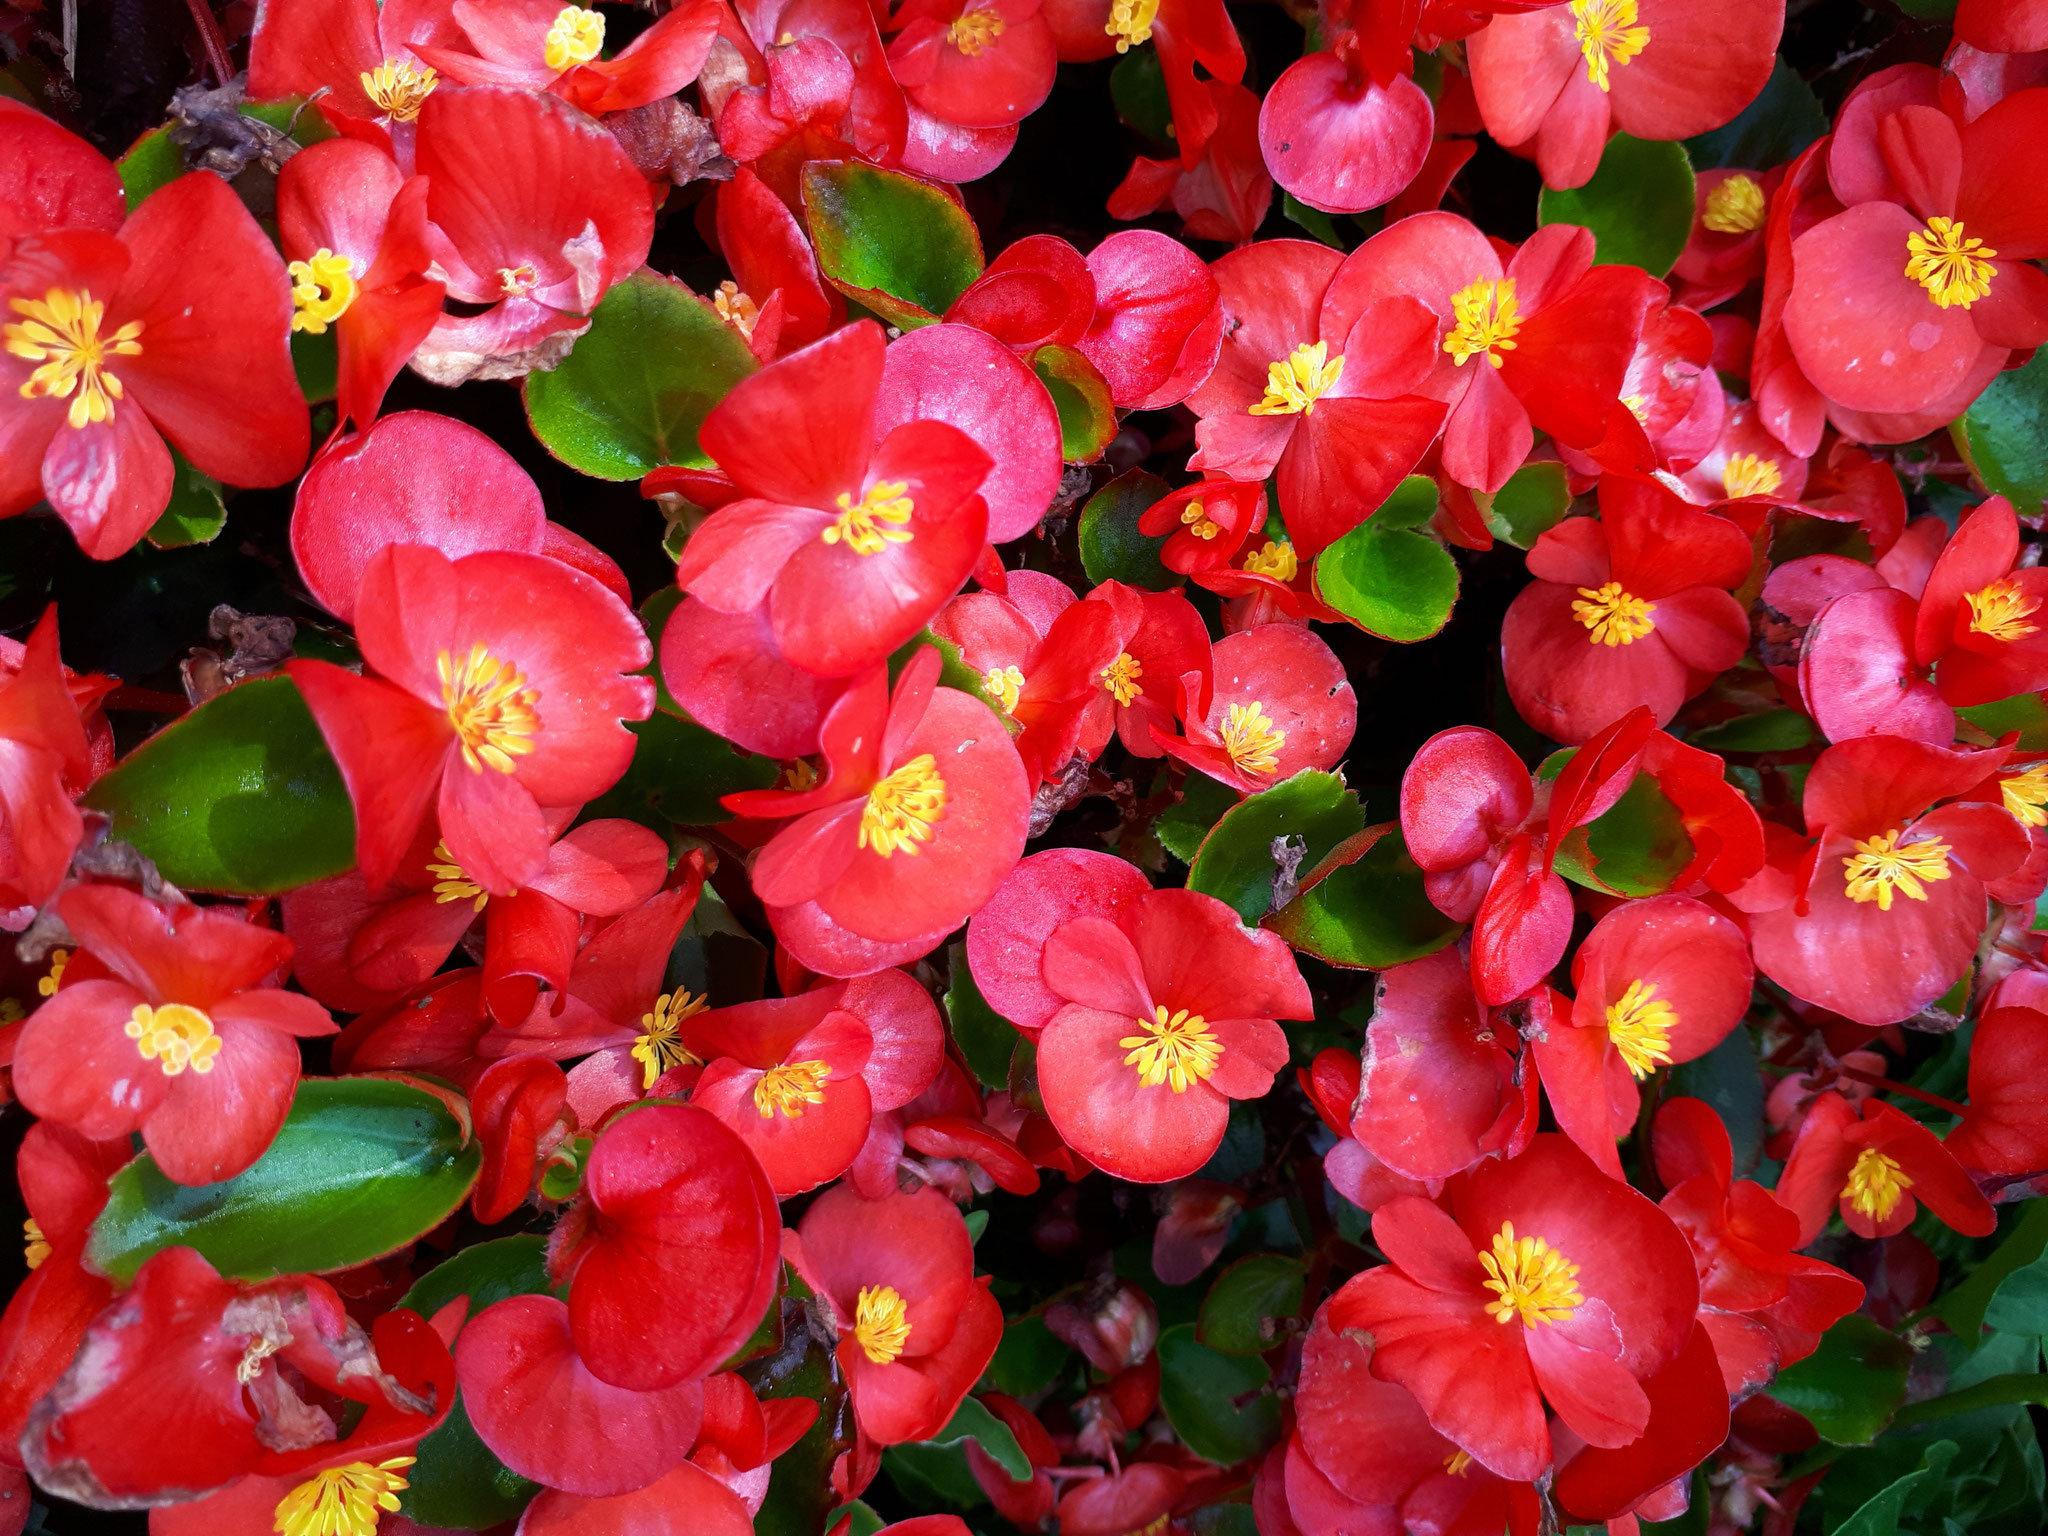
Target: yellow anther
x,y
1736,207
491,708
1003,685
176,1036
1640,1026
872,524
450,883
1532,1280
1175,1049
343,1501
656,1047
974,30
902,808
400,88
323,287
1458,1463
2026,794
1130,22
881,1323
1749,474
1297,381
786,1089
47,985
1251,738
577,37
35,1247
1275,559
1880,867
2001,610
1613,616
1488,318
1876,1184
735,308
1950,265
1608,34
1121,678
1198,522
61,332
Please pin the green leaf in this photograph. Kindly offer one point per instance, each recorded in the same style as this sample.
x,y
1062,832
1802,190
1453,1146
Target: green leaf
x,y
2026,713
2004,435
1366,908
1314,220
1637,847
1412,504
361,1167
865,1522
1785,117
1638,205
986,1039
1727,1079
932,1476
1965,1308
800,1487
1880,1517
1181,827
1112,549
1198,1392
2020,1304
1533,502
1248,1299
1391,582
195,514
1079,394
153,161
240,796
1238,860
972,1421
638,384
899,245
1852,1385
679,771
317,362
1774,730
1029,1359
1137,88
486,1274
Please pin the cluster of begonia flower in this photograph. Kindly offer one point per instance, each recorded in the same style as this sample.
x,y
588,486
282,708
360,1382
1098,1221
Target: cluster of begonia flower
x,y
1771,772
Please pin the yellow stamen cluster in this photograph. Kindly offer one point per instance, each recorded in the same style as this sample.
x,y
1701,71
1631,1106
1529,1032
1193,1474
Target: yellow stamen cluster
x,y
1198,522
1950,265
343,1501
491,708
902,808
1458,1463
1880,867
2026,794
35,1247
176,1036
872,524
450,883
1487,320
1130,22
323,287
656,1047
46,986
61,332
1639,1024
1251,738
517,282
881,1323
399,88
1121,678
1175,1049
1297,381
1003,685
1532,1280
974,30
1608,34
1736,207
576,37
1275,559
786,1089
1613,616
1876,1184
736,309
2002,609
1749,474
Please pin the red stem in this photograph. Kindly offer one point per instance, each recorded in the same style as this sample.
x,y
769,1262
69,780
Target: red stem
x,y
1912,1093
212,40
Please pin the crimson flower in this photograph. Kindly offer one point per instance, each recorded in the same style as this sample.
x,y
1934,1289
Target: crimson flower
x,y
1341,135
1280,703
541,46
1162,641
1878,1171
1725,252
2004,1131
975,64
354,58
44,758
1223,193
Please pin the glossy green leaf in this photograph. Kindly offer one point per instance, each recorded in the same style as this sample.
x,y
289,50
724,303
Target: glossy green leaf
x,y
2026,713
1079,394
1243,1310
1029,1359
361,1167
2004,433
1880,1516
240,796
195,514
1965,1308
678,772
1728,1078
1112,549
1137,88
1317,223
317,362
1238,861
1181,827
1639,204
1391,582
800,1487
861,1517
1774,730
933,1477
1849,1387
1366,908
1785,117
1412,504
638,384
1533,502
1637,847
972,1421
985,1038
2020,1304
899,245
1199,1391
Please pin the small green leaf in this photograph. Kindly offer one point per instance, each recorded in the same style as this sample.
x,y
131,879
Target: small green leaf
x,y
361,1167
1112,549
1237,862
1965,1308
240,796
864,1521
2026,713
1394,583
2004,434
1533,502
1241,1312
1728,1079
486,1274
1181,827
1852,1385
152,161
638,384
1029,1359
1880,1516
986,1039
1199,1390
1638,205
1412,505
1367,910
1137,88
1637,847
1785,117
899,245
1314,220
2020,1304
1087,415
1774,730
678,772
972,1421
195,514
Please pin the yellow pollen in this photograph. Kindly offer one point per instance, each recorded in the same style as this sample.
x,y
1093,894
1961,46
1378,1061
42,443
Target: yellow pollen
x,y
35,1247
881,1323
176,1035
872,524
1251,739
491,708
2000,610
1749,474
343,1501
517,282
1948,264
1002,685
1613,616
1458,1463
1880,866
2025,794
1297,381
1638,407
1275,559
1121,676
735,308
323,287
450,883
798,777
901,808
789,1087
400,88
1531,1278
46,986
1640,1027
656,1047
61,331
1876,1183
973,31
1174,1049
1130,22
577,37
1488,320
1736,207
1197,522
1607,34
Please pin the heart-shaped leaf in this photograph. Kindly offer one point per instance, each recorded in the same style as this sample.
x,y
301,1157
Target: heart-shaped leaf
x,y
1533,502
1639,204
1087,416
1263,844
1364,906
1248,1299
1392,582
901,246
1199,1391
1112,549
2004,434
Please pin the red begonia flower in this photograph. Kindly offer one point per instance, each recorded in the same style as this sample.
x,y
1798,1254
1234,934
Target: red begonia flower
x,y
1157,325
1546,1282
2005,1130
1164,641
785,1075
1632,609
1185,33
1972,624
2003,26
684,1498
176,327
181,1040
1169,1016
1205,524
435,1030
44,759
1006,938
1688,1423
355,57
540,46
517,1104
1281,703
1223,193
916,1328
1556,80
1675,401
1322,392
973,64
727,671
828,105
1878,1171
50,178
499,693
774,268
1745,461
1340,140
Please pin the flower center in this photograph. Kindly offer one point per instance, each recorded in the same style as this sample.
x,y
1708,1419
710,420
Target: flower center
x,y
872,524
517,282
1531,1278
1876,1183
901,808
399,88
1130,22
1613,616
973,31
788,1088
491,708
35,1247
1174,1049
1749,474
1880,866
1948,264
1607,34
1251,739
175,1035
1640,1027
61,332
1198,522
342,1501
881,1323
1003,685
1736,207
46,986
2000,610
1488,320
1458,1463
1275,559
1121,676
736,309
2025,795
323,287
656,1047
450,883
577,37
1297,381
